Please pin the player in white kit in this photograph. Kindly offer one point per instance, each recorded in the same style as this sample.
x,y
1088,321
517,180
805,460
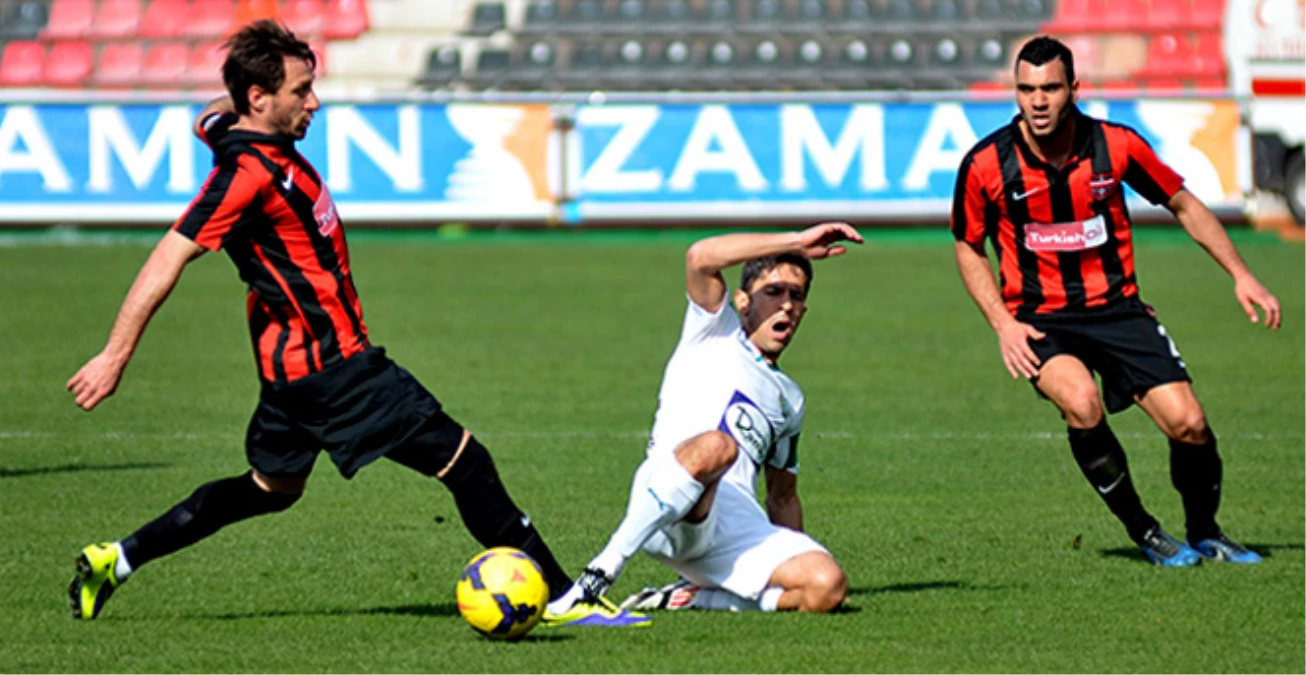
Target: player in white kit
x,y
725,412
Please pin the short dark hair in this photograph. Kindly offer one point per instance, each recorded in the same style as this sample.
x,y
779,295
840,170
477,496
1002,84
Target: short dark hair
x,y
758,266
1044,49
256,56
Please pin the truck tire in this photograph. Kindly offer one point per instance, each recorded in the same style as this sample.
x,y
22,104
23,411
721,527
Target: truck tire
x,y
1295,185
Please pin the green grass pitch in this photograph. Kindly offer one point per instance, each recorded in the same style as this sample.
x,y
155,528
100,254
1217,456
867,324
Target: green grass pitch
x,y
944,488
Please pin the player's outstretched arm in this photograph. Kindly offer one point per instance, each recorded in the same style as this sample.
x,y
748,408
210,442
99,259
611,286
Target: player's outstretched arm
x,y
98,379
706,258
1013,335
1206,230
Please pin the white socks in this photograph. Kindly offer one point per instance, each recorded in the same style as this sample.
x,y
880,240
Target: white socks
x,y
122,568
665,495
723,600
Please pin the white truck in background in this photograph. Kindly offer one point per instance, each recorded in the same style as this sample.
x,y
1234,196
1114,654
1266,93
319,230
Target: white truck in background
x,y
1265,49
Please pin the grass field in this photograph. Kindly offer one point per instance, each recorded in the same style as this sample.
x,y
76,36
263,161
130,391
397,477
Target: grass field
x,y
945,489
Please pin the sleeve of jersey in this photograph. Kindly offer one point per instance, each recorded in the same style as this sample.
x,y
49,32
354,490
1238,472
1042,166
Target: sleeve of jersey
x,y
225,196
1147,174
215,126
701,324
968,204
786,454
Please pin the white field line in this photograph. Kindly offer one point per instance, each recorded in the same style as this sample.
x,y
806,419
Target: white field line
x,y
20,434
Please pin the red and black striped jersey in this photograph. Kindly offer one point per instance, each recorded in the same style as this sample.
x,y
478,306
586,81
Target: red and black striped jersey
x,y
266,206
1062,235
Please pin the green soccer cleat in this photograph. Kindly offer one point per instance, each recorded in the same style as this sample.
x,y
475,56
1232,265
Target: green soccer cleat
x,y
95,581
598,612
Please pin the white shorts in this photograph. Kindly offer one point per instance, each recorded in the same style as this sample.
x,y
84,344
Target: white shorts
x,y
736,547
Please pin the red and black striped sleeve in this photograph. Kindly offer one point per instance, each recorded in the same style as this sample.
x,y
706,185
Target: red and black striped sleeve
x,y
215,125
228,192
969,203
1146,173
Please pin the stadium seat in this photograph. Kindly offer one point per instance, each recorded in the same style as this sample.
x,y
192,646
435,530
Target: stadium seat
x,y
1169,55
69,19
989,53
116,19
22,63
630,12
811,11
901,11
24,20
1208,56
1037,10
672,15
487,18
443,66
1167,15
767,13
1164,84
1119,16
249,11
585,57
164,19
541,15
586,12
719,12
119,64
165,64
1072,16
69,64
207,19
946,11
205,66
345,19
990,10
857,11
1207,14
492,65
304,17
676,56
947,53
1116,57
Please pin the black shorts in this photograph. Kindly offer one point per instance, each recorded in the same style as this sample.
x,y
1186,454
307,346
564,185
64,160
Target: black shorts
x,y
357,410
1132,353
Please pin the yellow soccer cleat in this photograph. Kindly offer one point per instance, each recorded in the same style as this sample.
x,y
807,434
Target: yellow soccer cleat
x,y
95,581
597,612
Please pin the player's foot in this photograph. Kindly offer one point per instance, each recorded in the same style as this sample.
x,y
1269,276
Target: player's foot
x,y
678,595
95,581
584,604
1166,551
1223,548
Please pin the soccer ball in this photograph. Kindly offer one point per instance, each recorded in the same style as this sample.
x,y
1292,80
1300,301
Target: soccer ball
x,y
502,593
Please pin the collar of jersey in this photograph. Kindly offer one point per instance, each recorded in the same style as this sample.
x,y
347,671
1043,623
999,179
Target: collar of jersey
x,y
756,353
1083,141
242,137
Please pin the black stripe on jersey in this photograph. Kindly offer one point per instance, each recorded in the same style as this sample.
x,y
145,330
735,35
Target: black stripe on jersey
x,y
1063,211
319,321
322,246
260,318
1112,266
959,196
1018,212
279,352
216,193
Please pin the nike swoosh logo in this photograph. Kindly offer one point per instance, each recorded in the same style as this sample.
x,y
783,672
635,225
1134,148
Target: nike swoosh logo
x,y
289,183
1112,486
1021,196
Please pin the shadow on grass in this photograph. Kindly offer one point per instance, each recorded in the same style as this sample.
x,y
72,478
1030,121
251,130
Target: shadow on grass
x,y
1133,553
439,609
79,468
920,586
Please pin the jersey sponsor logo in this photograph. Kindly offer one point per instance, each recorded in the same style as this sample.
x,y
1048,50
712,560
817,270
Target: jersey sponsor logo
x,y
748,425
324,211
1076,236
1101,185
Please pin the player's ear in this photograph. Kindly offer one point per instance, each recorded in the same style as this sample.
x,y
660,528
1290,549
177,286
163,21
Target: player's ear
x,y
741,301
259,99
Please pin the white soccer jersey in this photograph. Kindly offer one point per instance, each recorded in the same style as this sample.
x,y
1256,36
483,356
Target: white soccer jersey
x,y
717,379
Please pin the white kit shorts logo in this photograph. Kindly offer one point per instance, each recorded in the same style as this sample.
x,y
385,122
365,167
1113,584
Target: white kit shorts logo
x,y
748,425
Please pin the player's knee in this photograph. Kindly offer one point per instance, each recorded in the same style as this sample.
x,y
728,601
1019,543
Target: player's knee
x,y
708,454
826,589
1083,407
1190,428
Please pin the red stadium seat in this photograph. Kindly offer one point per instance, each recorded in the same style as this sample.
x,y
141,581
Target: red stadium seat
x,y
69,64
1208,14
1208,56
205,68
1120,16
304,17
119,66
1164,84
21,64
69,19
345,19
249,11
116,19
210,19
165,64
1118,87
1073,16
1169,55
1168,15
164,18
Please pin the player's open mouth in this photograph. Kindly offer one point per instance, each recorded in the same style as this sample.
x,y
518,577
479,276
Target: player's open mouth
x,y
782,329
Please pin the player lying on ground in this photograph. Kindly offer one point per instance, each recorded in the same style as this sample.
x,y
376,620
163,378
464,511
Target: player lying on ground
x,y
725,413
1048,189
324,385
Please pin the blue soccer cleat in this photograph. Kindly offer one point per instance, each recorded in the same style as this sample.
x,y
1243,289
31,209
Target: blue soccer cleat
x,y
1223,548
1166,551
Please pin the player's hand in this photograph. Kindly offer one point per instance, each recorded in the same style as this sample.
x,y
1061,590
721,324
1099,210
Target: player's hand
x,y
820,241
1251,294
1017,355
96,381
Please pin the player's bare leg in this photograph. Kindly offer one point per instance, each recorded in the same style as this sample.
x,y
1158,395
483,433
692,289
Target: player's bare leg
x,y
1195,468
812,582
1068,383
